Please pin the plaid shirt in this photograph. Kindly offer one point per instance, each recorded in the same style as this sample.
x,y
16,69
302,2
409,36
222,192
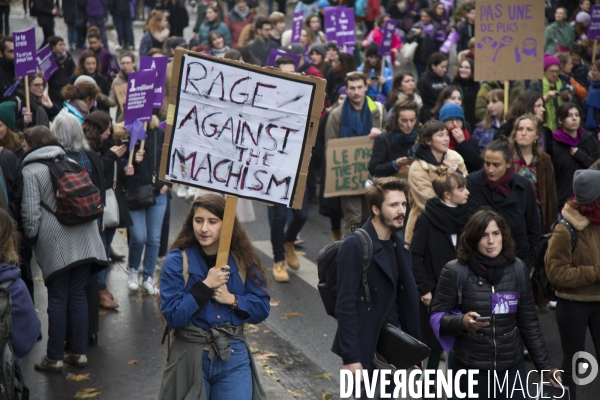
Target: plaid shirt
x,y
83,160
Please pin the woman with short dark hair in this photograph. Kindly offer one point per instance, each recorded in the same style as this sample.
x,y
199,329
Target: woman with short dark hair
x,y
432,82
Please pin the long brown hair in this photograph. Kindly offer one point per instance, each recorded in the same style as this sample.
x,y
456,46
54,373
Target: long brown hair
x,y
81,63
397,84
495,94
445,94
474,230
94,126
512,139
81,91
9,239
154,20
11,141
241,245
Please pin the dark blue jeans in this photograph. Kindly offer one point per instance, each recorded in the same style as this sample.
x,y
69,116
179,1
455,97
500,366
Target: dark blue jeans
x,y
67,304
279,217
98,21
124,30
227,380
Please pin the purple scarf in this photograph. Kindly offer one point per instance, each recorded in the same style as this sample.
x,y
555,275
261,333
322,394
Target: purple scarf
x,y
561,136
429,29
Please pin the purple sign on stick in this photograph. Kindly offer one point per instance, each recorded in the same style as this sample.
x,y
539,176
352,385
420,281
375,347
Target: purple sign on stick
x,y
388,35
451,40
140,94
345,34
297,22
136,132
159,64
593,32
46,61
275,54
24,42
331,17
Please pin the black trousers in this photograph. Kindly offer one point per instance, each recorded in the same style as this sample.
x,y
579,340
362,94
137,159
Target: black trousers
x,y
4,15
47,24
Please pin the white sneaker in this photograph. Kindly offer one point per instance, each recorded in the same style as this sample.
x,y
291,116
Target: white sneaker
x,y
148,286
181,191
552,304
132,282
191,193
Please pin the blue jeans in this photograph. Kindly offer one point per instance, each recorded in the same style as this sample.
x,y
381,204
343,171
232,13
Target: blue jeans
x,y
107,238
278,221
124,29
226,380
76,37
98,21
147,224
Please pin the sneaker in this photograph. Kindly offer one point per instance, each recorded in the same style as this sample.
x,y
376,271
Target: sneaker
x,y
148,286
76,360
280,272
552,304
181,191
191,193
46,364
132,282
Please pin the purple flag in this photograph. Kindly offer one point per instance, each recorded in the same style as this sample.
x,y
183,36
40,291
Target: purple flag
x,y
451,40
447,341
46,61
136,132
14,87
24,42
160,65
593,32
331,17
276,53
345,33
113,65
297,21
388,35
140,94
163,125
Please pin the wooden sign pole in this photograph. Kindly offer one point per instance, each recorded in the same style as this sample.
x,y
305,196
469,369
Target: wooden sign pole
x,y
594,52
226,230
27,104
381,73
143,142
506,92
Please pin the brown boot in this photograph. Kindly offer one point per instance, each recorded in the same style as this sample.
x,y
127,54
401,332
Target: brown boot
x,y
337,235
280,272
106,301
290,256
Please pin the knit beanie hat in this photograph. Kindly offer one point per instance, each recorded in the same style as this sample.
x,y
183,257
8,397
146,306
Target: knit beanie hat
x,y
341,91
451,110
319,48
550,60
586,185
372,49
85,78
7,113
582,17
294,48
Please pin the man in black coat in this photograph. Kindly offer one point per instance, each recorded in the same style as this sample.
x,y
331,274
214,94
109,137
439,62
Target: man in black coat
x,y
394,297
46,11
7,65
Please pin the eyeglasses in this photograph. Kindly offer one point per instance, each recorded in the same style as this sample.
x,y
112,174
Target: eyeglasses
x,y
553,71
39,85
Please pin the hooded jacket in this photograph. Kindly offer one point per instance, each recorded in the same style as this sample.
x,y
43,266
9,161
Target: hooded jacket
x,y
430,86
575,273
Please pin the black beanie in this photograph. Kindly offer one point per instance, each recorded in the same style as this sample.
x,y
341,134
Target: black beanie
x,y
372,50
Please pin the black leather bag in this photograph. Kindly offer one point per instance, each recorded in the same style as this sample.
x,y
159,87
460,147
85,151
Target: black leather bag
x,y
396,349
143,196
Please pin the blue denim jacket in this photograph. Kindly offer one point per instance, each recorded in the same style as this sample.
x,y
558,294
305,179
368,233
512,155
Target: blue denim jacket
x,y
180,308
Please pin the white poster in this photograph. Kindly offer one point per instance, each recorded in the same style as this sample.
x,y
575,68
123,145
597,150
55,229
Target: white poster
x,y
239,131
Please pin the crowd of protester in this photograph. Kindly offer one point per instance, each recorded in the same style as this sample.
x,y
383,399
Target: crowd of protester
x,y
450,137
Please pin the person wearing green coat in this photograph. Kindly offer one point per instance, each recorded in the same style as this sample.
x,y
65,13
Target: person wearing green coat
x,y
559,34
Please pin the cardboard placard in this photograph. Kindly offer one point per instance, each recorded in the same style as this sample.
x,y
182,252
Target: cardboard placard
x,y
240,129
121,93
593,32
509,36
347,166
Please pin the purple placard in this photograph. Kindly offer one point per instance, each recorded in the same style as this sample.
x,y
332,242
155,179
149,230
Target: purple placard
x,y
24,42
275,54
46,61
136,132
113,65
297,22
505,302
331,17
388,36
160,65
140,94
451,40
345,33
593,32
440,35
14,87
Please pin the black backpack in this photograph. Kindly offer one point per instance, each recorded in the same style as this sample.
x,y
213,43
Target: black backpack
x,y
540,277
327,268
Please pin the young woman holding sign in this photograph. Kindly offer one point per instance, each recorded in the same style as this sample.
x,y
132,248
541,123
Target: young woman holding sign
x,y
202,301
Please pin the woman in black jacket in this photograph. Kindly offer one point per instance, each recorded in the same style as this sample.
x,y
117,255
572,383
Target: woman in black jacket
x,y
468,87
574,149
178,15
89,65
74,16
422,32
495,285
511,195
432,82
42,109
435,238
336,76
66,68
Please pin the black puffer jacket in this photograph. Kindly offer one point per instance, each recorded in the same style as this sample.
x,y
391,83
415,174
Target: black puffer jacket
x,y
498,346
60,79
386,150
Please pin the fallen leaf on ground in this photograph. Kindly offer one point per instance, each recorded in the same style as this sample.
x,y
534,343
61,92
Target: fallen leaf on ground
x,y
254,350
291,315
274,303
326,395
269,370
297,393
136,300
324,376
252,328
266,331
38,311
132,362
77,378
102,312
265,355
38,278
300,252
88,393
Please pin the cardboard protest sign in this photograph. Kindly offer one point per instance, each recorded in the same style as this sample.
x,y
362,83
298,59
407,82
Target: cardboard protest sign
x,y
24,42
276,53
240,129
347,166
388,35
140,94
46,61
297,22
121,93
509,37
330,22
159,64
593,32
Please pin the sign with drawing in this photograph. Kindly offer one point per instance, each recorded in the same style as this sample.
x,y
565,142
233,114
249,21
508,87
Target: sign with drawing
x,y
509,36
240,129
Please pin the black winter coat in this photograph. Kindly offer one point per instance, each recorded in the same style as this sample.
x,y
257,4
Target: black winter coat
x,y
72,11
426,43
7,77
178,18
60,79
44,8
359,323
120,8
108,164
519,209
430,86
11,169
97,173
498,346
385,151
566,164
468,90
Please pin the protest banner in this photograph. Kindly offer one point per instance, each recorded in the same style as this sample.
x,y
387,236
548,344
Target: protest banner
x,y
347,166
450,41
388,35
241,130
25,65
121,93
330,22
593,32
276,53
46,61
345,33
138,104
159,64
297,21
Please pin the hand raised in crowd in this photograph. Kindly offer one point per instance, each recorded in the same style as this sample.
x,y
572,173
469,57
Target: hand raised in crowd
x,y
46,102
566,96
119,150
549,377
426,299
458,134
451,165
374,133
223,296
217,276
139,156
469,323
27,118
